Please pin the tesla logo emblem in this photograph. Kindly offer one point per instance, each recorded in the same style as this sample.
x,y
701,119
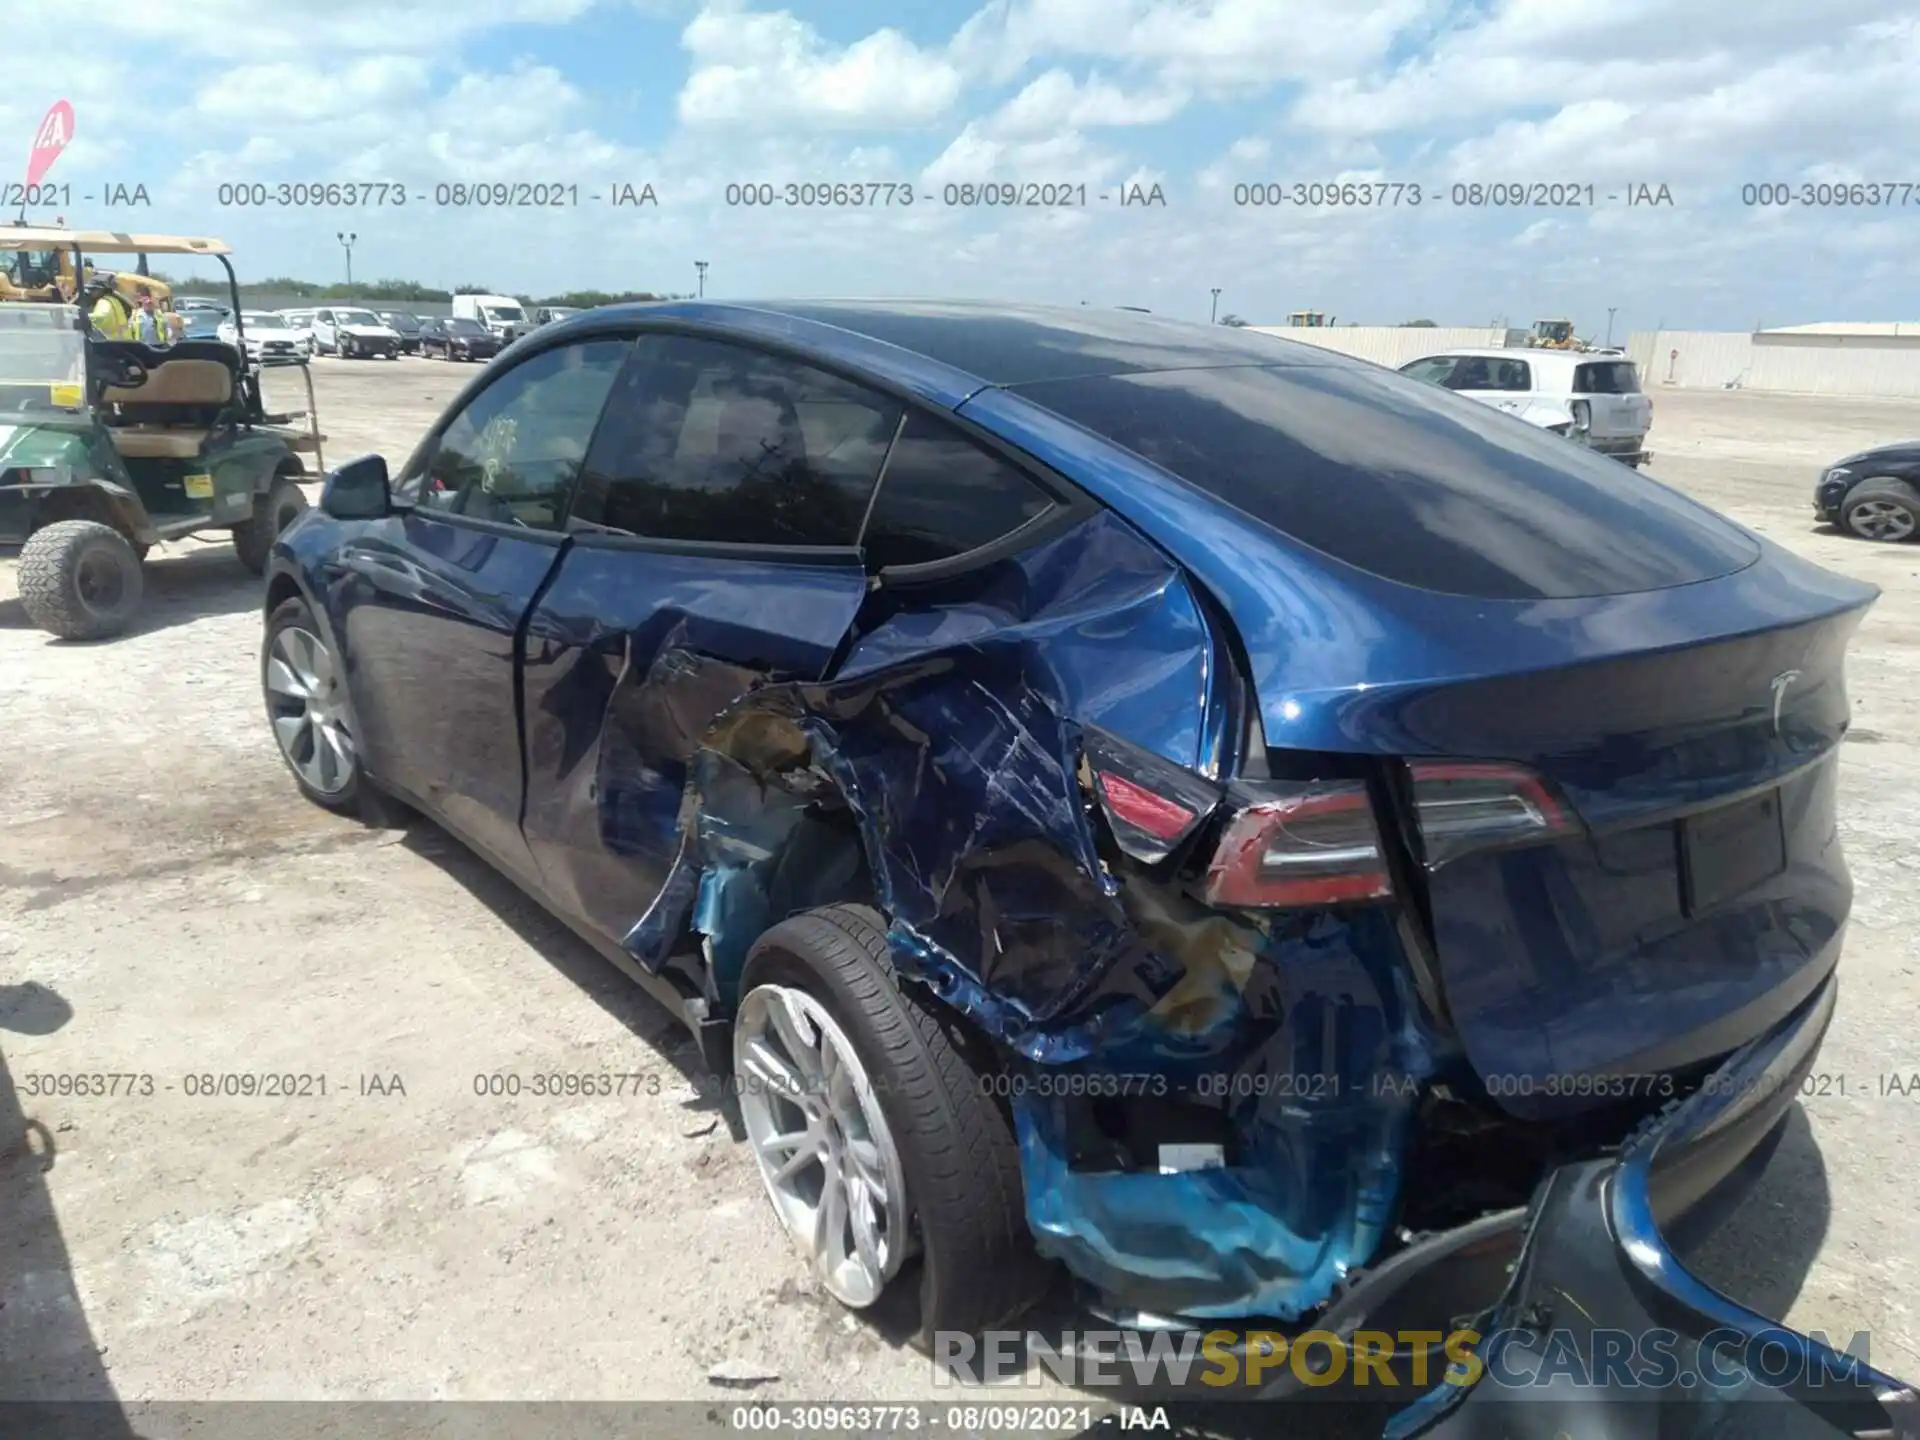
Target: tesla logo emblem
x,y
1780,685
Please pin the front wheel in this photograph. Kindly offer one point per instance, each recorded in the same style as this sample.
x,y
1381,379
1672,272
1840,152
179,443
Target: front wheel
x,y
876,1137
80,580
306,697
273,512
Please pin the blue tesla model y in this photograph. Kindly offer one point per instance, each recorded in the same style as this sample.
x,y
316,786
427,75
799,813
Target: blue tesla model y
x,y
1147,804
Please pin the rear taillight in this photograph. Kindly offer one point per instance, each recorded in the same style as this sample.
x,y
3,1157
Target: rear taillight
x,y
1150,804
1318,844
1470,805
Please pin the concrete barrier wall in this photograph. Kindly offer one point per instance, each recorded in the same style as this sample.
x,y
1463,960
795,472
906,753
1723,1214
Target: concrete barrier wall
x,y
1392,345
1785,363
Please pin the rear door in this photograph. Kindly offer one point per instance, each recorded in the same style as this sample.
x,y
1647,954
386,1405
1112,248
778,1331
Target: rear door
x,y
714,549
431,600
1611,390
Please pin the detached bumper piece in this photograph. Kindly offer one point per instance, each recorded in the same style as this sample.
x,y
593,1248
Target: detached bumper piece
x,y
1601,1333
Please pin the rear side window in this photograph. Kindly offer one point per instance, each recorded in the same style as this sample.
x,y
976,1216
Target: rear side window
x,y
1408,482
942,495
1606,377
714,442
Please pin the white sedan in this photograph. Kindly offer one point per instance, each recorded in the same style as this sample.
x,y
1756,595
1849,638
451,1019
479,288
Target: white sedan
x,y
269,338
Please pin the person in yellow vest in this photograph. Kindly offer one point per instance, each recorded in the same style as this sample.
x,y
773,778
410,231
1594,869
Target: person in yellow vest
x,y
109,317
149,325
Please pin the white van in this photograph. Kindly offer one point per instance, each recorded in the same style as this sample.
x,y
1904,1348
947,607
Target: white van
x,y
502,314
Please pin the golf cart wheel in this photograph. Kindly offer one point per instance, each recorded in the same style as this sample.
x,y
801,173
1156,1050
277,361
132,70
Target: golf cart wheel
x,y
876,1137
253,538
1882,509
80,580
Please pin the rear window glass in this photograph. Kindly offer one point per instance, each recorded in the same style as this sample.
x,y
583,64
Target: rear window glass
x,y
1407,481
1608,377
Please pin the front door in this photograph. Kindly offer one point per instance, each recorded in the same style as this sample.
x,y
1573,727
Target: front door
x,y
714,548
432,600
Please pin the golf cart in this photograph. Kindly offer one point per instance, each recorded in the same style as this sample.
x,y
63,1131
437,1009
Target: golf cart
x,y
110,446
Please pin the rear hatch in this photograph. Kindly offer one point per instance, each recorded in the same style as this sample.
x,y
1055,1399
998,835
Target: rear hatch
x,y
1600,722
1610,389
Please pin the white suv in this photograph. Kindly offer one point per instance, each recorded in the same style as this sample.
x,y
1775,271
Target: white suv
x,y
1591,396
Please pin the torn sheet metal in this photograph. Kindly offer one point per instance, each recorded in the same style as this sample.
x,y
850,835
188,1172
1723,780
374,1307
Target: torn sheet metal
x,y
952,740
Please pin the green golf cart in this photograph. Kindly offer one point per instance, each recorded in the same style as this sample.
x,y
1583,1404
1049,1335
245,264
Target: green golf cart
x,y
110,446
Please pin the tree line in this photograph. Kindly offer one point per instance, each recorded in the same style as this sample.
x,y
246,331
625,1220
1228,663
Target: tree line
x,y
374,291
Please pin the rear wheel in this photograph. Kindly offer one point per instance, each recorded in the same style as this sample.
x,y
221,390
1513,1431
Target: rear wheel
x,y
1882,509
876,1138
253,539
80,580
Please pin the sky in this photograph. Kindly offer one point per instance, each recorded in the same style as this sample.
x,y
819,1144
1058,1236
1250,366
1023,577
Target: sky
x,y
1193,110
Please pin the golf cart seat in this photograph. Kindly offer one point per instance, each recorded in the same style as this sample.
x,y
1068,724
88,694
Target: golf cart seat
x,y
169,415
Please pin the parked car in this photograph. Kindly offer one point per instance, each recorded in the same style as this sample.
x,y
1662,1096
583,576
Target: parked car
x,y
184,303
547,314
407,327
300,322
268,338
353,333
1592,396
207,323
1874,494
452,339
1207,810
502,314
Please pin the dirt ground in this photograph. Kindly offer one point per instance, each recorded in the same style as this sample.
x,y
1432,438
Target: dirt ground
x,y
170,907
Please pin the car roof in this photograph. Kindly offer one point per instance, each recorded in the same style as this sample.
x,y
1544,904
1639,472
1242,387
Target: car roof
x,y
1527,352
960,346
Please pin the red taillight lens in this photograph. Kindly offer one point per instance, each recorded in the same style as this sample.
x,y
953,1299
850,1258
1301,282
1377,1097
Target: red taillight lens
x,y
1470,805
1150,803
1318,846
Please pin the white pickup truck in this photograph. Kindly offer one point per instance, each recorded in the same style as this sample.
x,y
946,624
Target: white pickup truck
x,y
1591,396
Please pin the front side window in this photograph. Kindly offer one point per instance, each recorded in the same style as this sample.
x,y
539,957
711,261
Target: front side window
x,y
1434,369
711,442
513,453
942,495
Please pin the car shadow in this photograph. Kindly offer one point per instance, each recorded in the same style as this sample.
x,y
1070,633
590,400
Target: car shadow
x,y
645,1018
52,1376
185,581
1759,1255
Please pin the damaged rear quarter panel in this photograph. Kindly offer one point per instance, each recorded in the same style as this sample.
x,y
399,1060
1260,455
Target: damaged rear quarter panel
x,y
951,732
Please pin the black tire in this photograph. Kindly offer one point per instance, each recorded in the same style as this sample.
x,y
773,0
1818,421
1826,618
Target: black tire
x,y
977,1266
80,580
359,796
1890,497
253,538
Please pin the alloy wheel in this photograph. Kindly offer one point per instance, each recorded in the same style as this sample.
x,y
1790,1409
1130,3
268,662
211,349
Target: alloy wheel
x,y
307,704
825,1153
1881,520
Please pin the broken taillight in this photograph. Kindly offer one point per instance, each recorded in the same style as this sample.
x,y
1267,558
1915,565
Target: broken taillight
x,y
1472,805
1318,844
1151,804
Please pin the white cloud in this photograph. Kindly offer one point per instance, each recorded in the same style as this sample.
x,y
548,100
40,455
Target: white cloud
x,y
1208,44
773,69
1056,101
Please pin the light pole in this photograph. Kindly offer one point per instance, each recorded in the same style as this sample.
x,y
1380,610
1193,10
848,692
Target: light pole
x,y
1610,310
1214,316
701,266
346,239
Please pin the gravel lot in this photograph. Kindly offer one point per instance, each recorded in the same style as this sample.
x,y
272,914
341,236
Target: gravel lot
x,y
170,907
